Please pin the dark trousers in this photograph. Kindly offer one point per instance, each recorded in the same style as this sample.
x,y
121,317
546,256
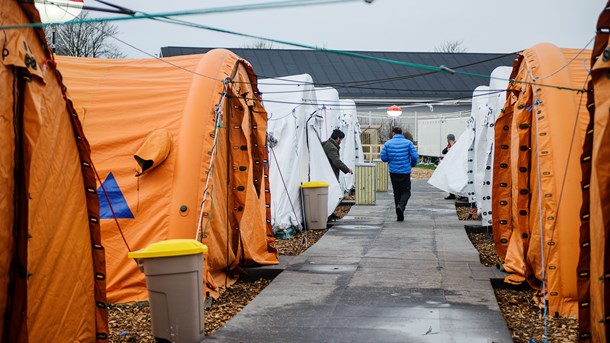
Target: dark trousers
x,y
401,183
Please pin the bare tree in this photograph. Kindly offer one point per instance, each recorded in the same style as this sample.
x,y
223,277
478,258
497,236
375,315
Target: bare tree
x,y
259,44
88,39
451,46
385,130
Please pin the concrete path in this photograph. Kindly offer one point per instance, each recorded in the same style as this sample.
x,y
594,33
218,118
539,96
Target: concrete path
x,y
373,279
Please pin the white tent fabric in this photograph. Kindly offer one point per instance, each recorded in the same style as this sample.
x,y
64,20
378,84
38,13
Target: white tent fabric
x,y
359,150
496,99
351,146
480,111
287,113
295,151
451,175
319,129
329,110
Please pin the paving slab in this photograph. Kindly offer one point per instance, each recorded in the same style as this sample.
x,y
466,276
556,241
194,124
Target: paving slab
x,y
373,279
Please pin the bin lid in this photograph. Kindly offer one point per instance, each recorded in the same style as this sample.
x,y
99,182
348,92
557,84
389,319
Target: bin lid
x,y
314,184
170,247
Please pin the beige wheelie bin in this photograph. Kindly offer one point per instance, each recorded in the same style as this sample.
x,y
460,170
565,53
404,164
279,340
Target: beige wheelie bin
x,y
315,198
174,279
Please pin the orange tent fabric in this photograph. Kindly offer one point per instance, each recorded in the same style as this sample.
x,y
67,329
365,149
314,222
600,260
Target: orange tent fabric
x,y
536,191
594,262
52,276
212,185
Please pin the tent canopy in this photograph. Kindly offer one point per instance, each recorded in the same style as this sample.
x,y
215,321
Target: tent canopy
x,y
294,147
52,273
198,118
536,175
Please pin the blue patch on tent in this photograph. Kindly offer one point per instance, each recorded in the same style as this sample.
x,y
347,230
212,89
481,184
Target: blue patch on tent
x,y
119,205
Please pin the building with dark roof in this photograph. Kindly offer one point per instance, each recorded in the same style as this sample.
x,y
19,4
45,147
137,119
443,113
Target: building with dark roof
x,y
375,84
367,80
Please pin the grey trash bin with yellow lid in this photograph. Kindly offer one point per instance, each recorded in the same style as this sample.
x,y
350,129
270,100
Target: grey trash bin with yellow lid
x,y
315,198
174,279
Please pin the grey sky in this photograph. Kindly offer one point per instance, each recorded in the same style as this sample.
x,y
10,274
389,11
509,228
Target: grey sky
x,y
384,25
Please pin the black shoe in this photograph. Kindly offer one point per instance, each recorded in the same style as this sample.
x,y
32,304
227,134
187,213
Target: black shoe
x,y
451,196
399,214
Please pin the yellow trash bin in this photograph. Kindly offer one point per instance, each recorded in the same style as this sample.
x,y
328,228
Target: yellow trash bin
x,y
381,171
174,279
365,184
315,198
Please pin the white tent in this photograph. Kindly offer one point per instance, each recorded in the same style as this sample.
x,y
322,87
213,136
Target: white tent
x,y
295,151
451,175
478,152
467,168
484,148
351,146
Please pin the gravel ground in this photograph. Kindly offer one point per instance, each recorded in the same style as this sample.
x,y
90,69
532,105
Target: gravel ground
x,y
421,173
467,213
131,323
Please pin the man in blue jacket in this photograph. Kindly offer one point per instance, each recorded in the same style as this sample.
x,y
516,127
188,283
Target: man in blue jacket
x,y
401,155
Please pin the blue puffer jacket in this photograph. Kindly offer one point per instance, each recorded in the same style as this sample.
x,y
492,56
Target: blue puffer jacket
x,y
400,154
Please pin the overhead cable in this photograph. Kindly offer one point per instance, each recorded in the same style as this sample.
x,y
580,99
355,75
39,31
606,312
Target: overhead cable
x,y
204,11
440,68
336,103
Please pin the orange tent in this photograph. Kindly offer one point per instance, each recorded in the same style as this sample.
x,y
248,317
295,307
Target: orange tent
x,y
180,147
536,182
594,263
52,276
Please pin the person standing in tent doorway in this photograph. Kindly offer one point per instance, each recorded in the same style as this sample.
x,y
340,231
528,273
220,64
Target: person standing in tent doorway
x,y
401,155
450,143
331,148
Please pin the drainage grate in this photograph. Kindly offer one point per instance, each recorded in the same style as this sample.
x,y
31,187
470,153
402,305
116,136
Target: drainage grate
x,y
356,227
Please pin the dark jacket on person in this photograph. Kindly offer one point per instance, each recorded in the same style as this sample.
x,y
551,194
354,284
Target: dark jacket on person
x,y
400,153
331,148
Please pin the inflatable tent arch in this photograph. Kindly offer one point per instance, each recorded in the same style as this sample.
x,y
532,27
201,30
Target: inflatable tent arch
x,y
536,178
288,106
52,274
594,262
483,149
213,184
